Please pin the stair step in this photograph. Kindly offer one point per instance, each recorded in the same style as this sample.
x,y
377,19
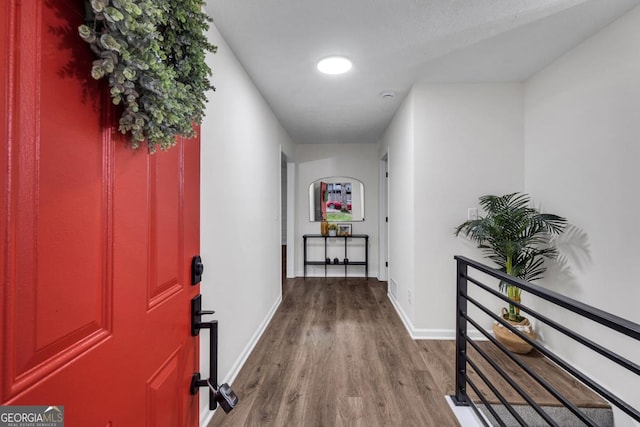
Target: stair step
x,y
602,417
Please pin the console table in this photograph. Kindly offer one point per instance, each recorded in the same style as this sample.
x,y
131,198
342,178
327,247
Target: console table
x,y
328,241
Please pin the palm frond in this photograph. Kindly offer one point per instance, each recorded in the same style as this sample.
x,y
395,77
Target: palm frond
x,y
513,229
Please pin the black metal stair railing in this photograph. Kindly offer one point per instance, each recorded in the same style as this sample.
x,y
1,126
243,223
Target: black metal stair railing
x,y
464,320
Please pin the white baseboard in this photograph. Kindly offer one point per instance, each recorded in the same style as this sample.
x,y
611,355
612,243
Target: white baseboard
x,y
465,415
235,369
207,415
430,334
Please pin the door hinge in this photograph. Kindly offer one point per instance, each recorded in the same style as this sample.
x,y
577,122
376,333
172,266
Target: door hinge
x,y
386,174
386,219
386,264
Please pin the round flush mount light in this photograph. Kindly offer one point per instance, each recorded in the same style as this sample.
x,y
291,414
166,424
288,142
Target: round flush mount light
x,y
334,65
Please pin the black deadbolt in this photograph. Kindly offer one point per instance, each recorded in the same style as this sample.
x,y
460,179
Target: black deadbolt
x,y
197,267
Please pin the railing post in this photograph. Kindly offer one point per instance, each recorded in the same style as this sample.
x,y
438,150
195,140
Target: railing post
x,y
461,398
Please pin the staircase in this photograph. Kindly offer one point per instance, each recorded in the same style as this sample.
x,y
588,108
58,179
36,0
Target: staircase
x,y
584,398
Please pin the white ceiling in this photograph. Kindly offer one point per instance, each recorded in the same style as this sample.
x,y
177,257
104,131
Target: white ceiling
x,y
393,44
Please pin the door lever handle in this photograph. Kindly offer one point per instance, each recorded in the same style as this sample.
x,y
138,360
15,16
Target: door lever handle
x,y
222,394
196,316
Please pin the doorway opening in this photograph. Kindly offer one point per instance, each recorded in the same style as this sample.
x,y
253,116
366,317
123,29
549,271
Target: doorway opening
x,y
384,219
287,216
283,214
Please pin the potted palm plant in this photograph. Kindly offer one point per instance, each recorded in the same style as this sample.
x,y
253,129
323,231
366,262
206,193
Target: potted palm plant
x,y
517,237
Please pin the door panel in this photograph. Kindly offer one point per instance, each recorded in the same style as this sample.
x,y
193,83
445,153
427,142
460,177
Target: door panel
x,y
45,249
163,409
166,227
97,239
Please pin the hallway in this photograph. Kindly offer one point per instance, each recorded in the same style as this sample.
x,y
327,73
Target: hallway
x,y
336,354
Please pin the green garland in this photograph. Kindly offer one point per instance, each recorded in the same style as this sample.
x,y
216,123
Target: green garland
x,y
153,53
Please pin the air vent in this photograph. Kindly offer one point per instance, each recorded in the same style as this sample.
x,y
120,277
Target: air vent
x,y
388,94
393,288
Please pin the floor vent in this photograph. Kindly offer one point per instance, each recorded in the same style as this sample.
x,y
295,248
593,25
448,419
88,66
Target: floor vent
x,y
393,288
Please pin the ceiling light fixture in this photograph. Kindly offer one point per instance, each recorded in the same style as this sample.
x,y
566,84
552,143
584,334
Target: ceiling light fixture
x,y
334,65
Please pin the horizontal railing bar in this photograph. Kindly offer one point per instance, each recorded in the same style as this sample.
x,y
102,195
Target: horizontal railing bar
x,y
506,377
614,357
495,391
600,316
624,406
567,404
486,404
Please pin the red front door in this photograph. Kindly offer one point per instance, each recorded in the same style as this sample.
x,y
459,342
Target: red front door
x,y
97,239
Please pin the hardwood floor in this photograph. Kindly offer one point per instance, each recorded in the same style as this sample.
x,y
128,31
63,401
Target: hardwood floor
x,y
336,354
570,388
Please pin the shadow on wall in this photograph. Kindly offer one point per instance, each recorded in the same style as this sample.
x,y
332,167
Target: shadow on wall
x,y
573,250
573,253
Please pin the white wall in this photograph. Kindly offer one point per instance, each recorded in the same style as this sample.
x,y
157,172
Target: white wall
x,y
398,145
582,153
240,212
448,145
468,143
360,161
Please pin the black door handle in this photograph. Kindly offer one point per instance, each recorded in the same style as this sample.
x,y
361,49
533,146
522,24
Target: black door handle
x,y
196,316
217,394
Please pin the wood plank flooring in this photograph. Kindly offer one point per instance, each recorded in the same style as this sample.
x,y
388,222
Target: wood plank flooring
x,y
336,354
572,389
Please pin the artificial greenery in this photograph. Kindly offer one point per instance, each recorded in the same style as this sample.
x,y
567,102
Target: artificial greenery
x,y
516,236
153,54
